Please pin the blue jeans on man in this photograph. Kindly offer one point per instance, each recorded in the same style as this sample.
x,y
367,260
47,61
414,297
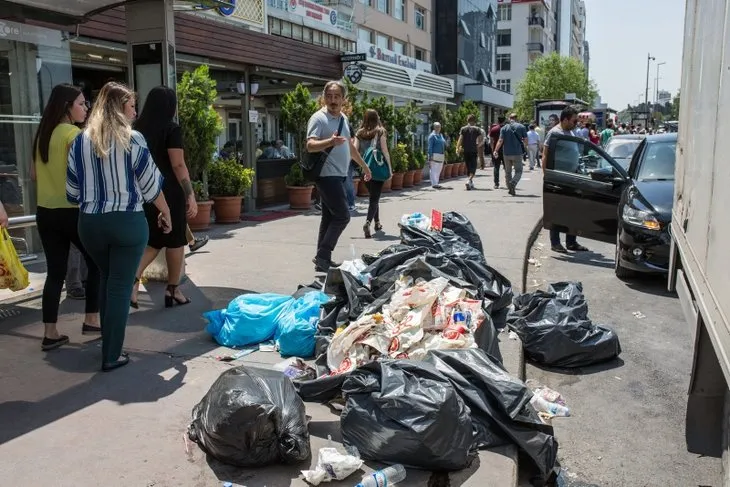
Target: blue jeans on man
x,y
350,188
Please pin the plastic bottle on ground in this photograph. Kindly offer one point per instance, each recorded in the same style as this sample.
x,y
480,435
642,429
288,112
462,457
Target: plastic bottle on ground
x,y
384,478
544,406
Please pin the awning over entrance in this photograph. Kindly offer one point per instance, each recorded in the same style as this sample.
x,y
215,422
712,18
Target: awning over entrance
x,y
76,11
391,79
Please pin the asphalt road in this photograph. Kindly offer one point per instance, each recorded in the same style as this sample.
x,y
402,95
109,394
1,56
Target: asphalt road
x,y
627,416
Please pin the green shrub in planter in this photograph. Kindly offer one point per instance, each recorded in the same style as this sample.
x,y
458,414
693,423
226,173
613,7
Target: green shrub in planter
x,y
226,177
419,159
199,191
296,176
399,158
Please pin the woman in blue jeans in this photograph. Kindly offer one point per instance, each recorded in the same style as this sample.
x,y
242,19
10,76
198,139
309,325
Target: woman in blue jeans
x,y
110,175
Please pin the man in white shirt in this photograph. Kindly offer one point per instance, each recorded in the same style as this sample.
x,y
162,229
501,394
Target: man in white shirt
x,y
533,146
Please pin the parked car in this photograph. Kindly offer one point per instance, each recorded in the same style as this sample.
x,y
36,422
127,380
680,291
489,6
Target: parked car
x,y
588,193
622,147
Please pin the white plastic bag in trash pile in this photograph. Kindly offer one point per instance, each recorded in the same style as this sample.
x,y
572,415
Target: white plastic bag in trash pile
x,y
418,220
332,465
355,344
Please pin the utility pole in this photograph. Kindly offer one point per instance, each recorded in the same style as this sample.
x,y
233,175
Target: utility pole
x,y
656,83
649,58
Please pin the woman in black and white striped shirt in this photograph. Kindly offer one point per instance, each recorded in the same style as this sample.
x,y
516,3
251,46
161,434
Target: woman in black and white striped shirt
x,y
110,175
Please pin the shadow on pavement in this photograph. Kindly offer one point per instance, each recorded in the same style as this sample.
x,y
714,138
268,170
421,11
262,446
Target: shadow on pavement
x,y
615,363
654,284
39,388
586,258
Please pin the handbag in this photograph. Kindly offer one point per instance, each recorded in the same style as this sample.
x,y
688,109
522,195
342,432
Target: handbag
x,y
438,157
312,162
375,160
13,275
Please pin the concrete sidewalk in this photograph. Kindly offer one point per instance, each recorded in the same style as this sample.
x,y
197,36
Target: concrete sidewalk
x,y
82,427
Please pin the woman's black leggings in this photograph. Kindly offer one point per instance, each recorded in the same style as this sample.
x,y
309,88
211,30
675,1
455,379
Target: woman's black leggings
x,y
58,228
375,188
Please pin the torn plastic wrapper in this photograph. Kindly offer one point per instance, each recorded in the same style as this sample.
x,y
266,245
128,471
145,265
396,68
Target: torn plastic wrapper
x,y
333,465
250,418
555,329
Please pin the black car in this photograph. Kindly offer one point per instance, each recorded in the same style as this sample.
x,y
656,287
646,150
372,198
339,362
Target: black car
x,y
622,147
588,193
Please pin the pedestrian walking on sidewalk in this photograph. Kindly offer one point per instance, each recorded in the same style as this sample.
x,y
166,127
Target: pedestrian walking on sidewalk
x,y
328,132
110,175
436,154
533,146
195,243
56,218
513,140
568,120
164,140
497,155
371,142
470,137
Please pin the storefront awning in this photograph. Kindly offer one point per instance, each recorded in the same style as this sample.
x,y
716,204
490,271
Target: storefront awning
x,y
401,82
67,12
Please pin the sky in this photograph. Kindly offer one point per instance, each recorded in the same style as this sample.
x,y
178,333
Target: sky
x,y
621,34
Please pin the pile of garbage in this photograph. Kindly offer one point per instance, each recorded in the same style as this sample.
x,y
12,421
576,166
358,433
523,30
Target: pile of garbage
x,y
408,337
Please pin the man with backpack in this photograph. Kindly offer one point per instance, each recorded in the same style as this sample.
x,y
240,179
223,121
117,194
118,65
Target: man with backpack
x,y
513,140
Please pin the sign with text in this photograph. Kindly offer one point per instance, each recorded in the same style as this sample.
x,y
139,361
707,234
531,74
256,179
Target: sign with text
x,y
437,220
314,11
352,58
385,55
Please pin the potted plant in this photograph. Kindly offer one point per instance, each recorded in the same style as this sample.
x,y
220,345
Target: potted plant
x,y
399,161
228,182
201,221
419,158
410,176
201,125
300,190
296,108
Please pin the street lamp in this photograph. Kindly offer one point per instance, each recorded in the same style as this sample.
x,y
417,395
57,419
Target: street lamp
x,y
656,83
649,58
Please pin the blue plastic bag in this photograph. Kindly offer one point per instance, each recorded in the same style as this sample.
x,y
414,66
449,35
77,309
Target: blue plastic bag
x,y
248,319
298,324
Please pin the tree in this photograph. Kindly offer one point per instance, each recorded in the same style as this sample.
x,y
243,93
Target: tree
x,y
405,120
550,78
675,107
199,121
457,118
296,108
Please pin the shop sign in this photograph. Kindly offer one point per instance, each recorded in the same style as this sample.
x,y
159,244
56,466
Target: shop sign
x,y
314,11
385,55
354,73
31,34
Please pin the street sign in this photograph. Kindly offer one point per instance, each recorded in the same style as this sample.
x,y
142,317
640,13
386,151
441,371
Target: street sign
x,y
351,58
354,73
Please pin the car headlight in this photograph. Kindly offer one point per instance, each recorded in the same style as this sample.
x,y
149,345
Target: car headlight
x,y
641,218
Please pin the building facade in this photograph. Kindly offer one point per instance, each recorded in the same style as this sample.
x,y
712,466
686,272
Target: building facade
x,y
464,50
571,28
526,30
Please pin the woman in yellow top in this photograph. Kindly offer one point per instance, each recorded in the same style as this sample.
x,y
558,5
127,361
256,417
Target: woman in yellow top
x,y
57,219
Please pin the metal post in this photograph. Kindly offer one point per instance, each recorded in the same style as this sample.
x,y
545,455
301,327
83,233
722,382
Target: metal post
x,y
249,137
656,83
646,96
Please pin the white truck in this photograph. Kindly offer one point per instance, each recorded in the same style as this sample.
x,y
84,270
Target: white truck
x,y
699,267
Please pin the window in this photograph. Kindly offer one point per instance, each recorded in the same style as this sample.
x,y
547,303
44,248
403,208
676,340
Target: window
x,y
285,29
504,12
504,85
382,41
400,10
482,40
420,18
384,6
504,62
317,37
464,28
399,48
274,26
365,35
366,2
504,37
577,158
658,162
296,32
420,54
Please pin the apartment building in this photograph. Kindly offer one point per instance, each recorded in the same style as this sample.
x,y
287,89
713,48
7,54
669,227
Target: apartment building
x,y
526,30
571,28
464,47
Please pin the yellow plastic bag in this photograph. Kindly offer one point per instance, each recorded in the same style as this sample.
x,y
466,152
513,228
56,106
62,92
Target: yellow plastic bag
x,y
13,275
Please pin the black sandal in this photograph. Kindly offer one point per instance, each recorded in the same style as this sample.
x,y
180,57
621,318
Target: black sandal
x,y
378,227
135,304
171,299
120,362
90,329
53,343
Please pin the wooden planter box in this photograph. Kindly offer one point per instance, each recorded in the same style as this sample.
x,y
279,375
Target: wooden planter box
x,y
271,187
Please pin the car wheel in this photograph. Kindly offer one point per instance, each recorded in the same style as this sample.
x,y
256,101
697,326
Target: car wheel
x,y
621,272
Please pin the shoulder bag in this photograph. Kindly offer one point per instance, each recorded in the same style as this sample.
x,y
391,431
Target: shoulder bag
x,y
375,160
312,162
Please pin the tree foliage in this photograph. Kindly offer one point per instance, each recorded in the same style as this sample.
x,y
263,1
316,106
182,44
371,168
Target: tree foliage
x,y
199,121
550,78
675,107
297,106
457,118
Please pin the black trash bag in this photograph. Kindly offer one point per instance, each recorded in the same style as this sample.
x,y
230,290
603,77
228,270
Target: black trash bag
x,y
555,329
250,418
402,411
461,226
499,405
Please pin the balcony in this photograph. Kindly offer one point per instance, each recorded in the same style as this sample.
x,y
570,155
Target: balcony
x,y
535,47
536,22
